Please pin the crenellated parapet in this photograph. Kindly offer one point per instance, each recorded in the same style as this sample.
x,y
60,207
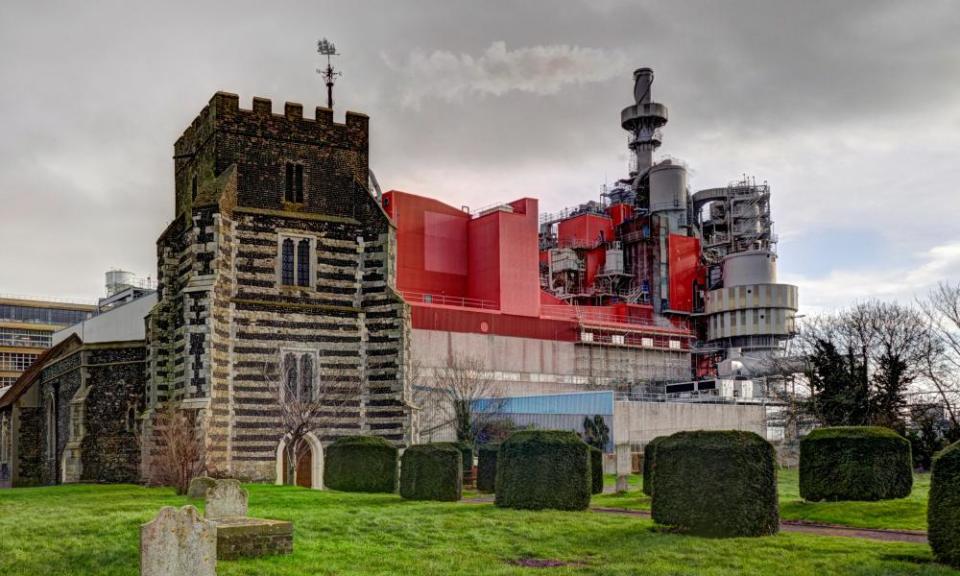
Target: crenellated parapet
x,y
224,111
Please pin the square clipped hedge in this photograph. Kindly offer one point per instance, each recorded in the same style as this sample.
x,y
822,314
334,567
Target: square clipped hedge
x,y
360,464
431,472
596,471
943,506
649,463
855,463
539,469
716,483
487,468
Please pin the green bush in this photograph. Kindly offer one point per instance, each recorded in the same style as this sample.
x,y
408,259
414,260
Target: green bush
x,y
596,471
487,468
360,464
539,469
943,506
855,463
718,483
431,472
649,455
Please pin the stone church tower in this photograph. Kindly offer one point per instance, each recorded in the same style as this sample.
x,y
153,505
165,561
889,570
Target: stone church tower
x,y
276,268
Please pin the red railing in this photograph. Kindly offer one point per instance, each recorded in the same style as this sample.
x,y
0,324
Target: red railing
x,y
444,300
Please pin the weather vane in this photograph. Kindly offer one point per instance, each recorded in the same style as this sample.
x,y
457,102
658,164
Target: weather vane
x,y
326,48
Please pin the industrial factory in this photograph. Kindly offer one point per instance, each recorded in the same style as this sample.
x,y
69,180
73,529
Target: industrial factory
x,y
651,287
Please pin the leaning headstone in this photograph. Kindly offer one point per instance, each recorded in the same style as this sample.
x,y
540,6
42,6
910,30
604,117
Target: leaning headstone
x,y
178,543
200,485
227,499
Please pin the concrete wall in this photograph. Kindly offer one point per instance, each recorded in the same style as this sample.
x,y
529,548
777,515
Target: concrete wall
x,y
531,366
637,423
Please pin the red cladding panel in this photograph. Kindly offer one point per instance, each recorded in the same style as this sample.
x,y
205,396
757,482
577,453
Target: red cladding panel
x,y
431,244
584,230
479,322
620,213
684,264
595,261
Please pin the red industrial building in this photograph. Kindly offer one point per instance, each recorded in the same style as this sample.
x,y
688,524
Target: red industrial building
x,y
650,284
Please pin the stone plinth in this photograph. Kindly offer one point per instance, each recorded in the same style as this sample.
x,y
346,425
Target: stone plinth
x,y
251,537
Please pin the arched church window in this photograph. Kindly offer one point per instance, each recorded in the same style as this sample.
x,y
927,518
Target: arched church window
x,y
303,262
291,380
286,262
306,378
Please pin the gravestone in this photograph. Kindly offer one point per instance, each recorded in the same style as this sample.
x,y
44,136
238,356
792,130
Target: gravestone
x,y
178,543
227,499
200,485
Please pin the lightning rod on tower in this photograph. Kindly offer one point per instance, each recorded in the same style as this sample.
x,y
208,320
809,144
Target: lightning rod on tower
x,y
326,48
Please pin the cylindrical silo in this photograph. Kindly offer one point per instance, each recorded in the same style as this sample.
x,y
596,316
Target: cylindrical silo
x,y
668,187
745,268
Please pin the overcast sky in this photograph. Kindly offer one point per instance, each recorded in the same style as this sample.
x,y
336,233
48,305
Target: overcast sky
x,y
850,110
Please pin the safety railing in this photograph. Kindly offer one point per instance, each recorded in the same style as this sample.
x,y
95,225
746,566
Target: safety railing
x,y
444,300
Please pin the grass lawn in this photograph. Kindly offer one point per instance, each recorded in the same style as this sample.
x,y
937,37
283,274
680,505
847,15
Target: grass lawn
x,y
905,514
84,529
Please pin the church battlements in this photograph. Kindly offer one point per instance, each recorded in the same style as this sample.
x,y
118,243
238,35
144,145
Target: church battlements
x,y
224,111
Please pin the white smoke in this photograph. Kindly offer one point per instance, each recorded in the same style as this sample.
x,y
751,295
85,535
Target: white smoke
x,y
536,69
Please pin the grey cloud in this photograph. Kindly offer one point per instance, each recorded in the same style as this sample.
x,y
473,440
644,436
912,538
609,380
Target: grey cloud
x,y
849,108
499,70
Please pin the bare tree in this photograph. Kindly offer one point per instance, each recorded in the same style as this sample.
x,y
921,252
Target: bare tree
x,y
462,395
941,308
180,455
310,397
862,361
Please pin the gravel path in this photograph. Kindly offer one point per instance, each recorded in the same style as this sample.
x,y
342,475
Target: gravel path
x,y
911,536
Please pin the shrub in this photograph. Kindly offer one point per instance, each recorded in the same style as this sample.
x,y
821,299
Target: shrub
x,y
718,483
855,463
596,471
943,506
431,472
539,469
487,468
649,454
360,464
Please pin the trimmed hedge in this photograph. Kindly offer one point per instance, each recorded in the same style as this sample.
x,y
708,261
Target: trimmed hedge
x,y
649,455
855,463
943,506
716,483
360,464
539,469
487,468
596,471
431,472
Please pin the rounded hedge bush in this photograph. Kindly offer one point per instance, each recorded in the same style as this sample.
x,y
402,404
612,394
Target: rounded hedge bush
x,y
539,469
431,472
596,471
943,506
649,455
487,468
360,464
855,463
716,483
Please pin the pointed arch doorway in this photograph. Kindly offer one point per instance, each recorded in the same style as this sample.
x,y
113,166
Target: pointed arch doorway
x,y
309,469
